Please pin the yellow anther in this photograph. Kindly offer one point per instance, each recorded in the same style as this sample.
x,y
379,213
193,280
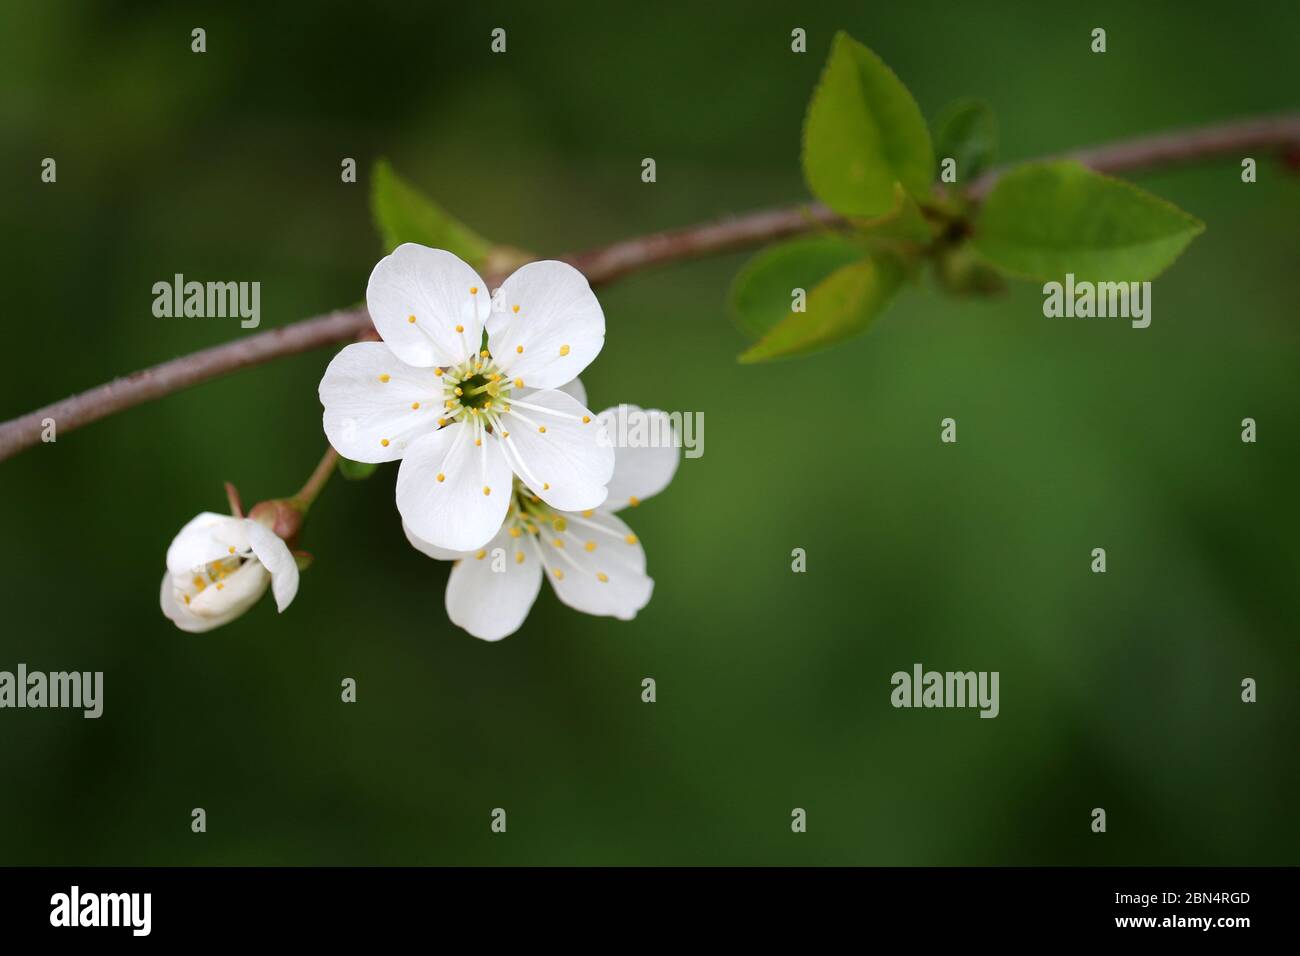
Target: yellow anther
x,y
384,378
515,532
414,405
630,539
481,555
559,574
441,476
487,490
634,501
442,423
484,353
437,372
602,577
457,391
505,434
590,545
519,383
588,513
220,586
478,442
515,308
473,290
231,549
586,419
542,429
519,557
199,583
187,599
564,350
519,350
546,486
558,542
460,328
559,524
411,319
384,442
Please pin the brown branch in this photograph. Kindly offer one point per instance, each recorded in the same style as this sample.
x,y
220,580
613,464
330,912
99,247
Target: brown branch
x,y
605,265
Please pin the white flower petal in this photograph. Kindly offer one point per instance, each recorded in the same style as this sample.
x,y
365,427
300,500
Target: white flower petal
x,y
454,512
559,325
599,567
226,600
492,604
207,537
277,559
646,461
435,287
376,404
180,615
565,460
575,390
429,548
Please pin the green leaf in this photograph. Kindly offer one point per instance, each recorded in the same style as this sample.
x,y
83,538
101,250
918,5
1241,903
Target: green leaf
x,y
961,272
356,470
905,221
404,214
841,305
967,131
1044,220
763,291
863,133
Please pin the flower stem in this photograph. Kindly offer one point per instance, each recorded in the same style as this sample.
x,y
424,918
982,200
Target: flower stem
x,y
307,494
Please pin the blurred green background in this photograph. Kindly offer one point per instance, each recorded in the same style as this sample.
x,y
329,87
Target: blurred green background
x,y
1119,691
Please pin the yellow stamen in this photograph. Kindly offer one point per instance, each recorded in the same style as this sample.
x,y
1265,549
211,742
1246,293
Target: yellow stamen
x,y
634,501
441,476
559,574
411,319
542,429
460,328
384,442
384,378
414,405
602,577
519,557
564,350
481,555
590,545
519,350
630,539
516,309
586,419
487,490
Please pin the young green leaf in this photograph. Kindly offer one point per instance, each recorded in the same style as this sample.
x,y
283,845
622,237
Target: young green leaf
x,y
841,305
862,134
1047,219
764,290
966,131
356,470
404,214
905,221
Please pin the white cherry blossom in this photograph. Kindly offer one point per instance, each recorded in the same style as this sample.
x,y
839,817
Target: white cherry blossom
x,y
464,415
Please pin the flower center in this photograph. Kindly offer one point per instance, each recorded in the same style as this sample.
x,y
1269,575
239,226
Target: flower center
x,y
475,391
